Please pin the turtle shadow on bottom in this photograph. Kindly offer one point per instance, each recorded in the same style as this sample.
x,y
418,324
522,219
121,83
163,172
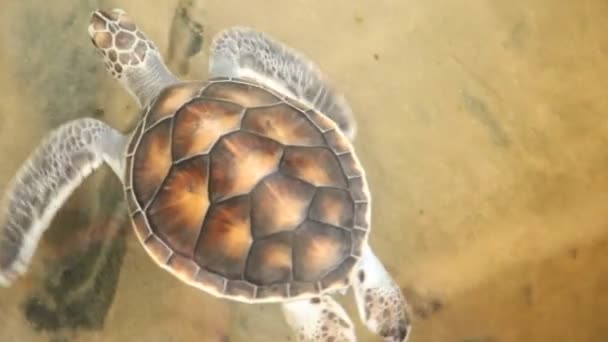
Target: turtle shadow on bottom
x,y
53,308
79,288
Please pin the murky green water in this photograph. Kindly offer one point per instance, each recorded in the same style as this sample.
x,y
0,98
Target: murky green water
x,y
483,127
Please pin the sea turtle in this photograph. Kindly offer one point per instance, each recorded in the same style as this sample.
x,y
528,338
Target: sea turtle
x,y
245,186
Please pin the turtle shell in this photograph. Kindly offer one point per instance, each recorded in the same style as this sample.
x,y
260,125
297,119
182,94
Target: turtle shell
x,y
245,193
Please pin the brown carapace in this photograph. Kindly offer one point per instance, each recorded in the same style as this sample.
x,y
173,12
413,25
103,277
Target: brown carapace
x,y
244,193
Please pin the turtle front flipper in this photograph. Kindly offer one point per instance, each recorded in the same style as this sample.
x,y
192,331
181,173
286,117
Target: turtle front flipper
x,y
319,320
44,182
379,299
245,53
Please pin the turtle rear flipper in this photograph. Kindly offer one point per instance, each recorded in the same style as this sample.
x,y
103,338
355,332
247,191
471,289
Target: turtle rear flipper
x,y
381,305
45,181
319,320
245,53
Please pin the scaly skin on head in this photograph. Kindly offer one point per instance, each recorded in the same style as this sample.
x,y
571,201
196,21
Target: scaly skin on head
x,y
128,55
119,40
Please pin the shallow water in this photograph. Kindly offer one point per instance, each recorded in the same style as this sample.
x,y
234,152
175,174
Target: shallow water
x,y
482,128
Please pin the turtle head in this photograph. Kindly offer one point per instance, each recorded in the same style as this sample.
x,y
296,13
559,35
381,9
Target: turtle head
x,y
129,55
118,39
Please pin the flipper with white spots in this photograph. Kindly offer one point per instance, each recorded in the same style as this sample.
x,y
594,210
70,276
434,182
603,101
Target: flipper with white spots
x,y
319,320
380,302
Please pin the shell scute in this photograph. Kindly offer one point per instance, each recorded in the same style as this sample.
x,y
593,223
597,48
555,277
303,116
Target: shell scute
x,y
333,206
338,277
226,238
171,99
177,212
246,95
142,229
240,288
239,161
210,281
278,291
284,124
184,267
269,261
152,162
317,249
200,124
279,194
315,165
